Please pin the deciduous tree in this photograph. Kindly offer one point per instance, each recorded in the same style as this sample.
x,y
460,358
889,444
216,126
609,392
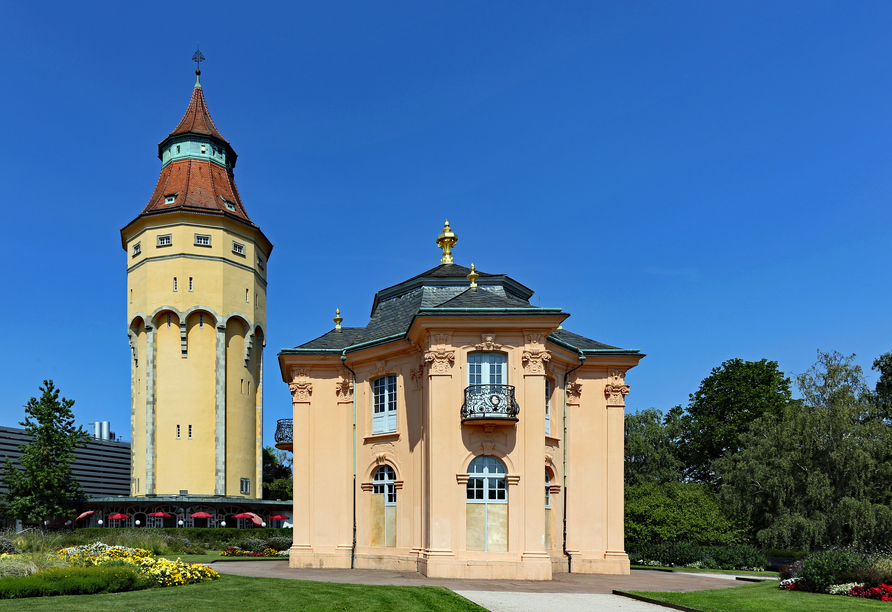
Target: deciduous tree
x,y
720,411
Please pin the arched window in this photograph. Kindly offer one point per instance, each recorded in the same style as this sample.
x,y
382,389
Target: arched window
x,y
487,505
383,523
547,489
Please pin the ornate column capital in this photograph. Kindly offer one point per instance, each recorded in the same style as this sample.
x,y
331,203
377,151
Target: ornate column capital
x,y
300,385
535,358
616,389
439,358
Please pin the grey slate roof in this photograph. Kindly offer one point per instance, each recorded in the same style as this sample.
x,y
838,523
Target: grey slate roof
x,y
444,287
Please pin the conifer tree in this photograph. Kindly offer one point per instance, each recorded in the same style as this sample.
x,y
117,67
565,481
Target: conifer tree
x,y
44,487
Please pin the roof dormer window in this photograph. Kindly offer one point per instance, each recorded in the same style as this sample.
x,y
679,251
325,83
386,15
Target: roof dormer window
x,y
170,199
229,205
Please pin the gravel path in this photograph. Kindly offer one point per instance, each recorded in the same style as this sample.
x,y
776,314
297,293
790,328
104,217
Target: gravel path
x,y
501,601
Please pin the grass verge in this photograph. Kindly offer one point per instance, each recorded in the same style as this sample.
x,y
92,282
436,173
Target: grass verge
x,y
239,593
763,596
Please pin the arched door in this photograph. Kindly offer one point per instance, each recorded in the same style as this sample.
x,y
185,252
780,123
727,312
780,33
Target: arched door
x,y
383,532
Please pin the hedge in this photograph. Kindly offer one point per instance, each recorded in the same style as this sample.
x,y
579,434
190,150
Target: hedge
x,y
214,538
73,581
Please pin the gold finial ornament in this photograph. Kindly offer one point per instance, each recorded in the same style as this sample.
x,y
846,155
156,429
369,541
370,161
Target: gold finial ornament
x,y
473,276
338,318
446,240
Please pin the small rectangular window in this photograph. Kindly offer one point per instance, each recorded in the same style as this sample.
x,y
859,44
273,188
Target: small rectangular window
x,y
137,249
204,149
202,240
249,387
170,199
245,486
238,248
242,387
190,283
164,240
190,432
178,148
174,283
260,263
178,432
201,320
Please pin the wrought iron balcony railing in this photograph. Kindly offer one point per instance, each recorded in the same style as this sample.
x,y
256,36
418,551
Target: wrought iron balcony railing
x,y
489,402
284,434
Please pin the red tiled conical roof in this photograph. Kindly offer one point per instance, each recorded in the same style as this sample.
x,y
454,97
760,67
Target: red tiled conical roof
x,y
197,119
199,186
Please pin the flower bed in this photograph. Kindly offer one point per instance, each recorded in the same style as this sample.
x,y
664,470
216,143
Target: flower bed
x,y
161,572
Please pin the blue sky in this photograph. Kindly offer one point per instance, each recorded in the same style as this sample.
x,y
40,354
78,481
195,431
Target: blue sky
x,y
699,180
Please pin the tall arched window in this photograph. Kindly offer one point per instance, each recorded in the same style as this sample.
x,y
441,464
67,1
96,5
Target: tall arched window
x,y
549,539
383,531
487,505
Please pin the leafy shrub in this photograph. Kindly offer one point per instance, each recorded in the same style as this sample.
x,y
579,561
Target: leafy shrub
x,y
279,542
73,581
686,554
253,545
164,541
822,569
676,511
7,546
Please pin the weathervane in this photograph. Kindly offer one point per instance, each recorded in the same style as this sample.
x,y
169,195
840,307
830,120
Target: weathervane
x,y
198,58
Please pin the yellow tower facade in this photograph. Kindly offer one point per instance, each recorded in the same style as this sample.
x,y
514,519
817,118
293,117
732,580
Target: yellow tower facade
x,y
196,321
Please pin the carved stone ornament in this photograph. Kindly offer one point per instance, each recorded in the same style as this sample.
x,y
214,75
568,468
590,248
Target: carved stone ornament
x,y
489,343
574,392
300,385
535,357
487,448
417,375
616,389
344,390
380,367
439,358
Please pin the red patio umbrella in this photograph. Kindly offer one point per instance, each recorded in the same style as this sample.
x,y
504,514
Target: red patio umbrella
x,y
164,514
116,517
278,517
250,515
201,515
83,514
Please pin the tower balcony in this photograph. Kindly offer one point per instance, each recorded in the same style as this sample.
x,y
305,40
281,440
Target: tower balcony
x,y
285,434
489,405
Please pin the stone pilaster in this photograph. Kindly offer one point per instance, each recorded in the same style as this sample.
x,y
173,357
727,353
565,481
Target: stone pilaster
x,y
150,410
220,413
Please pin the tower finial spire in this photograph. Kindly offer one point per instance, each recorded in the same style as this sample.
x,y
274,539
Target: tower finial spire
x,y
197,57
446,240
473,276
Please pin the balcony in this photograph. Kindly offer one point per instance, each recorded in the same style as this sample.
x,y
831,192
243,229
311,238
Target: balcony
x,y
489,405
284,434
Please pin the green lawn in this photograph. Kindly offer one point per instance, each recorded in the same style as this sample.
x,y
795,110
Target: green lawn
x,y
708,571
241,594
764,596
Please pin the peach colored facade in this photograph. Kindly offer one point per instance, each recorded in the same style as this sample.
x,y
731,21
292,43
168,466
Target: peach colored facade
x,y
419,517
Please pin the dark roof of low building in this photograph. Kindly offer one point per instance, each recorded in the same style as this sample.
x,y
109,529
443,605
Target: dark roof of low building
x,y
441,291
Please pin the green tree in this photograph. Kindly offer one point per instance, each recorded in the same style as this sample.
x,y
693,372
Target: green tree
x,y
679,512
45,486
720,411
277,479
819,475
651,454
882,396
